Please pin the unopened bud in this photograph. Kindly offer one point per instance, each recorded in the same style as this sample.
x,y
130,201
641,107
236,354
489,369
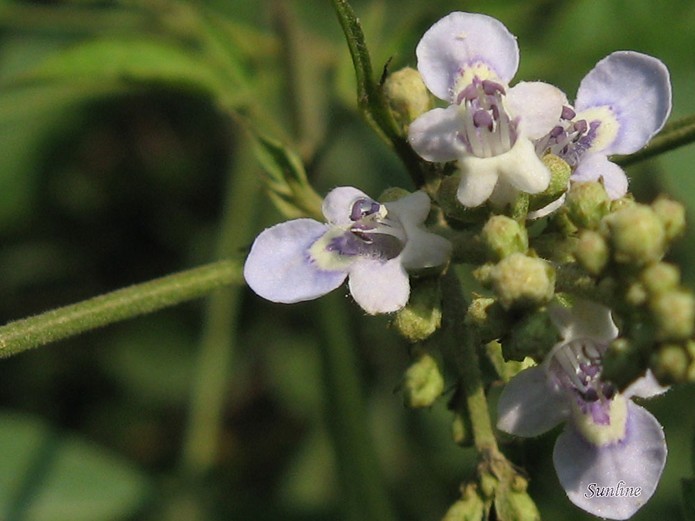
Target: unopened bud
x,y
672,215
660,277
452,207
503,236
587,203
510,504
591,251
487,315
674,314
393,193
532,337
462,430
469,508
560,173
423,382
407,95
636,234
422,315
520,281
670,364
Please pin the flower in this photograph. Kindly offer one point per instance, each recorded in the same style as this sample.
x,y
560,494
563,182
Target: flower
x,y
467,60
372,243
610,456
621,104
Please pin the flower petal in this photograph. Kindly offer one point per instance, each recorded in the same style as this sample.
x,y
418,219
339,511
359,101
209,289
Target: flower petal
x,y
338,204
279,268
645,387
636,88
529,405
585,319
379,287
433,135
463,40
477,181
594,167
412,209
631,467
537,104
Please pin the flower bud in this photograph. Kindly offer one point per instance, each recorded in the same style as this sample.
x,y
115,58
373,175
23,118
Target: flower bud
x,y
452,207
660,277
622,363
587,203
533,337
422,315
674,314
462,430
520,281
487,315
407,95
670,364
503,236
423,383
393,193
636,234
469,508
512,503
672,215
560,173
591,252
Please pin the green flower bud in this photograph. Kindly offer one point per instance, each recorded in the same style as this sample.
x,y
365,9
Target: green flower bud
x,y
452,207
470,507
591,252
674,314
690,377
670,364
532,337
503,236
487,315
393,193
660,277
521,281
407,95
422,315
587,203
510,504
622,363
672,215
636,294
636,234
560,173
423,383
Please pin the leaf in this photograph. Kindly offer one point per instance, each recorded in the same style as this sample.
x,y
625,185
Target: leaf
x,y
286,179
127,61
49,476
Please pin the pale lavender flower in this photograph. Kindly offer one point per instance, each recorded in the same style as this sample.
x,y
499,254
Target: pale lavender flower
x,y
467,60
373,244
621,104
610,456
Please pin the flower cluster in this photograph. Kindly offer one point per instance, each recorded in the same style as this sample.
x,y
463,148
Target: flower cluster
x,y
498,134
507,143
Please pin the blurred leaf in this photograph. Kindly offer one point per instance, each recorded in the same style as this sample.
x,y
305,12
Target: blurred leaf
x,y
135,61
46,476
286,179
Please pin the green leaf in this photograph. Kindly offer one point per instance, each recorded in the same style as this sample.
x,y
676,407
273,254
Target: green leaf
x,y
286,179
128,61
50,476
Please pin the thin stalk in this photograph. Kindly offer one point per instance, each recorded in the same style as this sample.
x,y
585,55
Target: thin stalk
x,y
468,364
364,496
116,306
218,344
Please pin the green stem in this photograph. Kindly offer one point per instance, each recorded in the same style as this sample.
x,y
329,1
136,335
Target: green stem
x,y
116,306
674,135
468,364
218,344
365,496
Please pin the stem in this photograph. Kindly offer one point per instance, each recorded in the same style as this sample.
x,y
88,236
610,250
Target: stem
x,y
674,135
365,496
218,344
468,364
122,304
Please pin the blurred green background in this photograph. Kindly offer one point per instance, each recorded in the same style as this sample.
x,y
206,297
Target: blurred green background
x,y
123,157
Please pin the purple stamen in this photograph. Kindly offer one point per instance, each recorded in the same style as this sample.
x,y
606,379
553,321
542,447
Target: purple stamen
x,y
362,208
